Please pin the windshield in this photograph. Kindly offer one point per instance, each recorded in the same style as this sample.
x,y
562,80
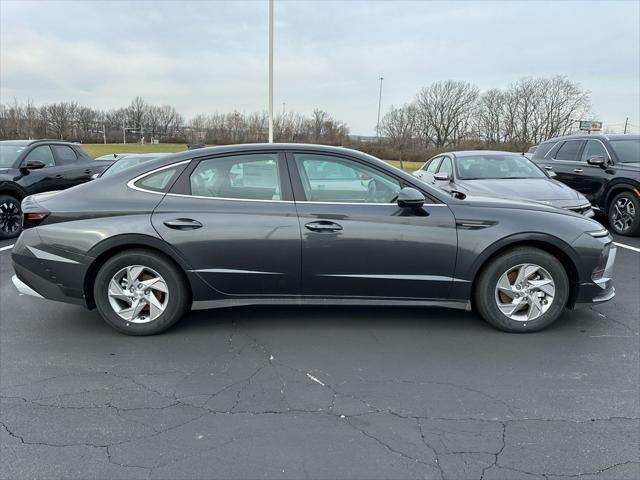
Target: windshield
x,y
9,154
627,150
125,163
496,165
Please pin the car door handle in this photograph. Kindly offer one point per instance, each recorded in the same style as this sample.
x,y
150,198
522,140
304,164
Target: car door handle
x,y
577,170
88,170
323,226
58,177
182,224
547,167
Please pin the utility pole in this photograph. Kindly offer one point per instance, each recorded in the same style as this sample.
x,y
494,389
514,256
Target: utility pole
x,y
283,104
104,133
270,71
379,104
124,133
626,122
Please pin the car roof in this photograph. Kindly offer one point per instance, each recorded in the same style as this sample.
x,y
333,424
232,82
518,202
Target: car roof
x,y
595,136
468,153
32,142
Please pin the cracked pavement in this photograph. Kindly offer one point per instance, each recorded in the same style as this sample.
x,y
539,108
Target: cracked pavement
x,y
274,392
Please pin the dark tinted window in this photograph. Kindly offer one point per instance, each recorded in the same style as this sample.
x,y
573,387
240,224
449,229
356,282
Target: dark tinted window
x,y
627,150
542,149
249,177
158,181
64,154
42,154
569,150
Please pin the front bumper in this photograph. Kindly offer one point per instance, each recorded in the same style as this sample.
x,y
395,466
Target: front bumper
x,y
23,288
601,289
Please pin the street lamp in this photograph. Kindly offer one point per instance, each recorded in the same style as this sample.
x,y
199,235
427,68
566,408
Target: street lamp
x,y
270,71
379,104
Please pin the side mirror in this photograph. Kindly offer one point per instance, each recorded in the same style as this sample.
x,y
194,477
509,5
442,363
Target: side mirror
x,y
442,177
33,165
410,198
597,160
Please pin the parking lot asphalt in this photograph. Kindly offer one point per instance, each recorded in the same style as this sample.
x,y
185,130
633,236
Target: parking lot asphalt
x,y
272,392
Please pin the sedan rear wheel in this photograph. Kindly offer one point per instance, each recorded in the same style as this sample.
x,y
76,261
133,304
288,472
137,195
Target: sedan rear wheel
x,y
624,214
522,290
140,292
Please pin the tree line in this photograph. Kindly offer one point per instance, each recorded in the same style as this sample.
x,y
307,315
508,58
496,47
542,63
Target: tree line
x,y
141,121
442,116
449,113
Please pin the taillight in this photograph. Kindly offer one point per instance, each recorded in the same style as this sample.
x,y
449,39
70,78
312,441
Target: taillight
x,y
33,219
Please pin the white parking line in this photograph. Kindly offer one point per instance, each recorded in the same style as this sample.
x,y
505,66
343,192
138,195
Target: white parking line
x,y
8,247
628,247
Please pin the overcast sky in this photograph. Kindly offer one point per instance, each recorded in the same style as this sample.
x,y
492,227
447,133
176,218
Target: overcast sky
x,y
208,56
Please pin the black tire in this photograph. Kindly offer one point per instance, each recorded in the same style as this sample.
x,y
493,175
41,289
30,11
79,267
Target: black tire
x,y
10,217
177,302
485,292
625,221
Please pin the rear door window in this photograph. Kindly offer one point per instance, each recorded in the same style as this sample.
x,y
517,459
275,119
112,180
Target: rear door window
x,y
569,150
248,177
64,154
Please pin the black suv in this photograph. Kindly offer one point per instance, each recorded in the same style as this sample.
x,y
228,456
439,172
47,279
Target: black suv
x,y
604,168
35,166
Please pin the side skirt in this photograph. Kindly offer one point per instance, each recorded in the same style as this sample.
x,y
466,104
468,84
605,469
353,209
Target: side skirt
x,y
238,302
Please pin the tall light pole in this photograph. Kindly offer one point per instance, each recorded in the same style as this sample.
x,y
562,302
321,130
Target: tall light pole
x,y
270,71
379,104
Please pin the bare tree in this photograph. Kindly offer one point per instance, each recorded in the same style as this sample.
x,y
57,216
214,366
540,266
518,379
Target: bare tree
x,y
398,125
447,107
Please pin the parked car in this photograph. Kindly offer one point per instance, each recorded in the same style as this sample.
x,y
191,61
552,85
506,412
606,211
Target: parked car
x,y
127,161
34,166
302,224
604,168
503,174
114,156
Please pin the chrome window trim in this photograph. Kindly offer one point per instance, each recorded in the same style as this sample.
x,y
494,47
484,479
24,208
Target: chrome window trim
x,y
131,183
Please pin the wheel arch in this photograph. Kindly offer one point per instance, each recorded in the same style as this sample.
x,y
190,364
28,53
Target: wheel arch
x,y
552,245
12,190
108,248
617,188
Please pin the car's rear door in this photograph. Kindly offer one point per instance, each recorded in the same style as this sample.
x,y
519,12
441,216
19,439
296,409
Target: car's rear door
x,y
71,168
565,162
233,219
357,242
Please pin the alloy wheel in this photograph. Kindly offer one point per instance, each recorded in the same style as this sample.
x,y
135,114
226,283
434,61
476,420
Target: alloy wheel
x,y
623,215
138,294
525,292
9,218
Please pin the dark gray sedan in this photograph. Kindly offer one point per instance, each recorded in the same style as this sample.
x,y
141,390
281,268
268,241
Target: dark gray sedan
x,y
302,224
503,174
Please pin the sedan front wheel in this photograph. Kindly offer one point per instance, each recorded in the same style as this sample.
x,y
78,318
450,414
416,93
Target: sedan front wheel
x,y
522,290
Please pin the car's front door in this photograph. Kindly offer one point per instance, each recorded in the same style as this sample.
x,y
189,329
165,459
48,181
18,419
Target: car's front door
x,y
357,242
593,177
233,219
43,179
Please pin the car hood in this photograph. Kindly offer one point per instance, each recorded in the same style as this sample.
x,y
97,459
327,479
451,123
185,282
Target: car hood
x,y
538,189
632,166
